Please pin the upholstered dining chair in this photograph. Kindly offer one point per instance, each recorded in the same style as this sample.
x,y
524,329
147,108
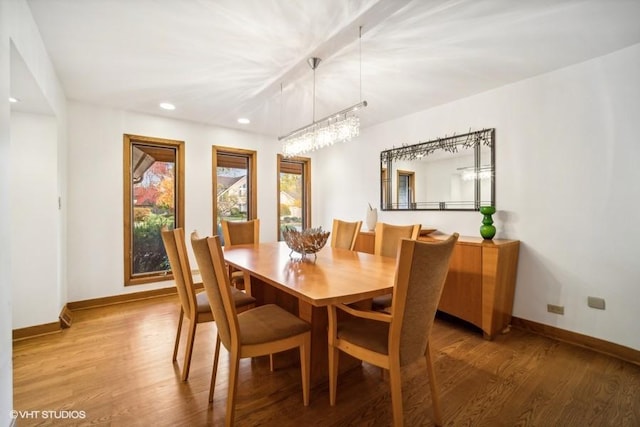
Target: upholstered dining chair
x,y
261,331
239,233
393,340
344,234
194,306
387,239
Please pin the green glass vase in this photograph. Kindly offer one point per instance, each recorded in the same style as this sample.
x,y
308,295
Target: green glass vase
x,y
487,229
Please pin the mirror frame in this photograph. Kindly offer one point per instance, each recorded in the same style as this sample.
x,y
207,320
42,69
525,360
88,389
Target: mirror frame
x,y
472,140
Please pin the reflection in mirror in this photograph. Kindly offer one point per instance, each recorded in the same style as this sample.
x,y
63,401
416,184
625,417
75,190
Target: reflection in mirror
x,y
450,173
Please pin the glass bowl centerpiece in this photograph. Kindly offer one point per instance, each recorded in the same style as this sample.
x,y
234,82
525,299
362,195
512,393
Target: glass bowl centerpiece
x,y
305,242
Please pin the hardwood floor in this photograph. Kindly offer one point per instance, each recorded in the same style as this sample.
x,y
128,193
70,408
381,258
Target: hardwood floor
x,y
114,364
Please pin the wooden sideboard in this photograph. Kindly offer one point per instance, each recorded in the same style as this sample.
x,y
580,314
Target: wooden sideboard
x,y
481,282
365,242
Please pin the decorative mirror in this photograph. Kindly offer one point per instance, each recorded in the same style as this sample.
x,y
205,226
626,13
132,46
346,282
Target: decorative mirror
x,y
450,173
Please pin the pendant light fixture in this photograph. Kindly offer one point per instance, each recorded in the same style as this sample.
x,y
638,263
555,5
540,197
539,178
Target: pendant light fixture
x,y
338,127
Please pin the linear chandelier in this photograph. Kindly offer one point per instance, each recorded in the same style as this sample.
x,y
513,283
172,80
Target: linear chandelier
x,y
338,127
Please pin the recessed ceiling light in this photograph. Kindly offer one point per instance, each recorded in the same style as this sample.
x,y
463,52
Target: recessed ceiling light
x,y
13,100
167,106
244,121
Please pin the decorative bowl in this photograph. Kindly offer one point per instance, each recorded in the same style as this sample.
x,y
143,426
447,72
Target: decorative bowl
x,y
305,242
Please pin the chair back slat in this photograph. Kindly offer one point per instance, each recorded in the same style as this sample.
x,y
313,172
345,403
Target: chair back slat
x,y
240,232
344,234
215,277
388,236
420,275
179,261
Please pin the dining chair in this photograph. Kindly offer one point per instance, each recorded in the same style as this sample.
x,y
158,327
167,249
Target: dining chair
x,y
193,305
344,234
261,331
239,233
387,239
395,339
388,236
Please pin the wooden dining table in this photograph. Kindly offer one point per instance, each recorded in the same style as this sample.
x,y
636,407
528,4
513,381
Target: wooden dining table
x,y
305,287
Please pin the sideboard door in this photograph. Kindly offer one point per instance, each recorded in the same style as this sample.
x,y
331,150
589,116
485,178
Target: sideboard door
x,y
462,293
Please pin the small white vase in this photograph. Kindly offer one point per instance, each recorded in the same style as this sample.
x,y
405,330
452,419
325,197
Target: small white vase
x,y
372,218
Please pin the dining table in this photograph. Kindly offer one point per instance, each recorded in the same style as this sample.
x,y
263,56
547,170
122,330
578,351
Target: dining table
x,y
305,286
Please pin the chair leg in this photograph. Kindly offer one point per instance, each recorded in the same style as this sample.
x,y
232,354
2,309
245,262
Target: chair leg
x,y
215,368
246,280
334,357
232,389
230,273
189,349
395,382
177,344
305,367
435,397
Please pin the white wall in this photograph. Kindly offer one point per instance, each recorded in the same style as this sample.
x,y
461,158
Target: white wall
x,y
567,187
95,236
6,367
35,218
17,27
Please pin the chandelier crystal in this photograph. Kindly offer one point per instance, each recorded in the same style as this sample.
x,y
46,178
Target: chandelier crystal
x,y
339,127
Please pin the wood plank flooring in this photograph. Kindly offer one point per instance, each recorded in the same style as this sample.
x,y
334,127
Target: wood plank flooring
x,y
114,364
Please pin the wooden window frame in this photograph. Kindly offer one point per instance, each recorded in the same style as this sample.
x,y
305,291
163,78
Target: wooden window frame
x,y
252,203
306,171
129,142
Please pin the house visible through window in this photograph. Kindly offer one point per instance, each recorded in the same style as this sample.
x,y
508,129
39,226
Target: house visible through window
x,y
234,183
153,199
294,193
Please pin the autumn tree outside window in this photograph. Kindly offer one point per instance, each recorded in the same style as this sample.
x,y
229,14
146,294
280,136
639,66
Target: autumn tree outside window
x,y
153,199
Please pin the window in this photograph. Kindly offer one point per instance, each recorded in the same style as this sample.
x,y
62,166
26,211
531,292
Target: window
x,y
294,193
406,190
234,184
153,198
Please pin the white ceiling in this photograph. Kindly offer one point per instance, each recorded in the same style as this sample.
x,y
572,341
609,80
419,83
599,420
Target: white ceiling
x,y
218,60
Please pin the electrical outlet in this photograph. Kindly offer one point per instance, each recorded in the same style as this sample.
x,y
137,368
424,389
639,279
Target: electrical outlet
x,y
557,309
595,302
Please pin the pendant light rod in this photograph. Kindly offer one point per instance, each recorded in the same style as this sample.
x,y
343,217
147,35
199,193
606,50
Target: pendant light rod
x,y
355,107
313,63
360,52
